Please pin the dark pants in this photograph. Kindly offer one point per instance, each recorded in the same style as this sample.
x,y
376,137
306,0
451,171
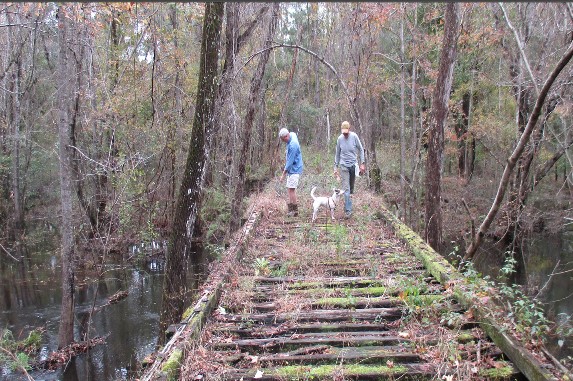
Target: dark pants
x,y
352,173
348,175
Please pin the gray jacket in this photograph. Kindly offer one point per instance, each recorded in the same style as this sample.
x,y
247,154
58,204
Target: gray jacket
x,y
346,150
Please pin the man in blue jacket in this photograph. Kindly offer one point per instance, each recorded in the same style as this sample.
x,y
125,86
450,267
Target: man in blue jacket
x,y
292,169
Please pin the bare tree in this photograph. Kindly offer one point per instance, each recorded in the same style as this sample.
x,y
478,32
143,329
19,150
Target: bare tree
x,y
512,160
65,104
237,199
433,216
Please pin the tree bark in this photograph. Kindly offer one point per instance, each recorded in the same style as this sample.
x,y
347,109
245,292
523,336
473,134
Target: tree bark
x,y
14,119
402,214
433,216
65,100
175,290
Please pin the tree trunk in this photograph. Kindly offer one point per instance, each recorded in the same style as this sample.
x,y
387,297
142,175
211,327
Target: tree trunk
x,y
402,214
175,291
234,42
237,199
65,100
433,216
466,143
415,144
14,120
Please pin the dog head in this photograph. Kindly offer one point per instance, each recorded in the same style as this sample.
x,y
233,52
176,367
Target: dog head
x,y
336,192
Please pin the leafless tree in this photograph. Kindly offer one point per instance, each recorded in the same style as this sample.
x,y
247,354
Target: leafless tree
x,y
433,215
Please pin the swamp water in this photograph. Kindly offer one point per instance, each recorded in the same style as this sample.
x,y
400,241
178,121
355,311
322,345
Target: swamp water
x,y
30,297
546,275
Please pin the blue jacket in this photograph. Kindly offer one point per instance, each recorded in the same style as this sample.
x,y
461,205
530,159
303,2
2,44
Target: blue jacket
x,y
293,155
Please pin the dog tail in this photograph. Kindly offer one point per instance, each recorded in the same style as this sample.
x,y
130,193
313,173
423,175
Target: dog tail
x,y
312,193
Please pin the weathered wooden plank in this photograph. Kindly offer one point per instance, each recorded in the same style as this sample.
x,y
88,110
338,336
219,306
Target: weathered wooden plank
x,y
363,372
343,339
334,355
330,372
304,282
372,291
417,372
339,303
367,314
290,328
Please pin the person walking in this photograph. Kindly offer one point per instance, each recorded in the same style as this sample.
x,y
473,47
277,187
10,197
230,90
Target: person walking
x,y
292,169
348,146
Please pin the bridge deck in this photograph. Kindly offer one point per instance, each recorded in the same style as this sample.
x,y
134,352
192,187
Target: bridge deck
x,y
347,300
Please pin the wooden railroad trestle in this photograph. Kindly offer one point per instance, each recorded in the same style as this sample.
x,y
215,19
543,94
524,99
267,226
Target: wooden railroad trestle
x,y
297,301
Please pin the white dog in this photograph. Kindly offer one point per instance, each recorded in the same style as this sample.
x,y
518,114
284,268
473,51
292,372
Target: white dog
x,y
329,202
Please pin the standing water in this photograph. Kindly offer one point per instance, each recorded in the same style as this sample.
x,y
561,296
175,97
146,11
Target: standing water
x,y
546,275
31,297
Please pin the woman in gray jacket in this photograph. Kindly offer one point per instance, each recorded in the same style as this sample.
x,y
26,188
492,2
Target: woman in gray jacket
x,y
348,146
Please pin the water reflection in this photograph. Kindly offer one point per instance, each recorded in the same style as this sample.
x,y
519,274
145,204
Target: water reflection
x,y
546,273
31,297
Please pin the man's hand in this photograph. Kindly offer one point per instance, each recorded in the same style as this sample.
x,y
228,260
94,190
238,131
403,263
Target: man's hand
x,y
337,175
362,169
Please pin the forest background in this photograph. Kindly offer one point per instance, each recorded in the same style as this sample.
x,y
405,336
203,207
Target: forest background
x,y
98,101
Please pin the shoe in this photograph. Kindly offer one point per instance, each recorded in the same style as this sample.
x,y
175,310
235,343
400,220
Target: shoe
x,y
347,215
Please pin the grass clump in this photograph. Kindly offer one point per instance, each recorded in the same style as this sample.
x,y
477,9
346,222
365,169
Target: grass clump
x,y
15,354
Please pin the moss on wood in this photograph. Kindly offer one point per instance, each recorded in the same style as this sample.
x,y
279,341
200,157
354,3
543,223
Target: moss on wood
x,y
172,365
294,372
502,373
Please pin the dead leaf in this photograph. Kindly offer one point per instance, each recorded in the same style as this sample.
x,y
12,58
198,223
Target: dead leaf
x,y
259,374
404,334
390,364
254,359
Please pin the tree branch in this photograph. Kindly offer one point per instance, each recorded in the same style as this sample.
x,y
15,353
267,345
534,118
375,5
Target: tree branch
x,y
542,172
512,160
321,60
521,49
8,253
